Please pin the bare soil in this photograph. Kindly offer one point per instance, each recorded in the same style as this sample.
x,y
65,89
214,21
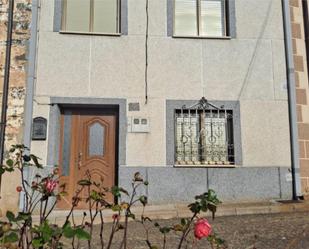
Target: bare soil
x,y
270,231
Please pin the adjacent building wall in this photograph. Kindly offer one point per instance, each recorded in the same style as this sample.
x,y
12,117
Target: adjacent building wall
x,y
302,88
22,17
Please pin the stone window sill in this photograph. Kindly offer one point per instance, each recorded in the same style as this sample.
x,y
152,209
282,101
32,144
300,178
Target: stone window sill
x,y
88,33
205,166
203,37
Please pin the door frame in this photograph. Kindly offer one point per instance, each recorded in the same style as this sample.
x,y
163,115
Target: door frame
x,y
106,110
115,106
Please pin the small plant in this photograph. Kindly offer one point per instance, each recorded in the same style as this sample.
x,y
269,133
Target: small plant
x,y
21,231
196,224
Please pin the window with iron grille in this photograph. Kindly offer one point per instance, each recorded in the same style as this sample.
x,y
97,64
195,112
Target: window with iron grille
x,y
204,137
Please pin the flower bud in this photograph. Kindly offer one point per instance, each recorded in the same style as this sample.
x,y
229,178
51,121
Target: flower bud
x,y
19,189
124,205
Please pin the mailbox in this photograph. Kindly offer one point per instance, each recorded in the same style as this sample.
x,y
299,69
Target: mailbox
x,y
39,128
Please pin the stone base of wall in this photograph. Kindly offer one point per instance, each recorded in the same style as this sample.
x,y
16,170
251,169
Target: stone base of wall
x,y
177,185
168,185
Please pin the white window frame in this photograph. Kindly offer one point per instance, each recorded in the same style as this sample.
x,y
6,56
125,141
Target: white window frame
x,y
198,16
63,21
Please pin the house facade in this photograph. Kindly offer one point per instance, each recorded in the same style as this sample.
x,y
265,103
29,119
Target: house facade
x,y
196,99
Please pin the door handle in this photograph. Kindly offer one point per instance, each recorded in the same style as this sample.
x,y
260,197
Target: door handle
x,y
79,160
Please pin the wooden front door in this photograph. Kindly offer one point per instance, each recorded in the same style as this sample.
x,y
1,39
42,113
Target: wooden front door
x,y
87,148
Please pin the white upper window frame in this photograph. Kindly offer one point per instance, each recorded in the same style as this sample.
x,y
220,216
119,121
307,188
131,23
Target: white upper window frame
x,y
91,16
225,21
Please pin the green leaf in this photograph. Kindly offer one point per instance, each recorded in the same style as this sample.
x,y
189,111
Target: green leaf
x,y
23,216
26,158
68,232
144,200
183,221
204,205
213,238
124,191
37,243
47,232
10,215
9,169
131,215
213,209
84,182
82,234
94,195
212,197
10,162
116,191
195,207
178,227
165,230
66,224
116,208
35,160
2,170
220,241
10,238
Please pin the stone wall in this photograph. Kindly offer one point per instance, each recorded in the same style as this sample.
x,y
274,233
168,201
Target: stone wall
x,y
302,89
21,33
174,185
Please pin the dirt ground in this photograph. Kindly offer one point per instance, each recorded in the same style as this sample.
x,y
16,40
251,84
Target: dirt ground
x,y
271,231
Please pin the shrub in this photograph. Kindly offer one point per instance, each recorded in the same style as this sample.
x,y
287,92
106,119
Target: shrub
x,y
42,194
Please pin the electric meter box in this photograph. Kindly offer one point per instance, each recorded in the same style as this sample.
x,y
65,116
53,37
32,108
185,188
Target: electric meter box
x,y
139,125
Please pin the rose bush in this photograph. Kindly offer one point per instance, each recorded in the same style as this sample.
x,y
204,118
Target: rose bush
x,y
19,231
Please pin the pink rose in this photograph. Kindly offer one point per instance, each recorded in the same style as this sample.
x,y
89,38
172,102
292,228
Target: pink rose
x,y
202,229
50,185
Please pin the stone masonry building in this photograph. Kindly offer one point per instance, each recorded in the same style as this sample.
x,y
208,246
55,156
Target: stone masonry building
x,y
299,24
21,33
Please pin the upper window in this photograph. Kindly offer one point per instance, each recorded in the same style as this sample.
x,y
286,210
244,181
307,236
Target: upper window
x,y
200,18
94,16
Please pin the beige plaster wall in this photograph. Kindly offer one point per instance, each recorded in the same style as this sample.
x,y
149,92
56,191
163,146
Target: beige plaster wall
x,y
41,108
250,68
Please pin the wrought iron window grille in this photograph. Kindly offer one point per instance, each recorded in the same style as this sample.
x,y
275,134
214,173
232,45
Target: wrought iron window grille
x,y
204,135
